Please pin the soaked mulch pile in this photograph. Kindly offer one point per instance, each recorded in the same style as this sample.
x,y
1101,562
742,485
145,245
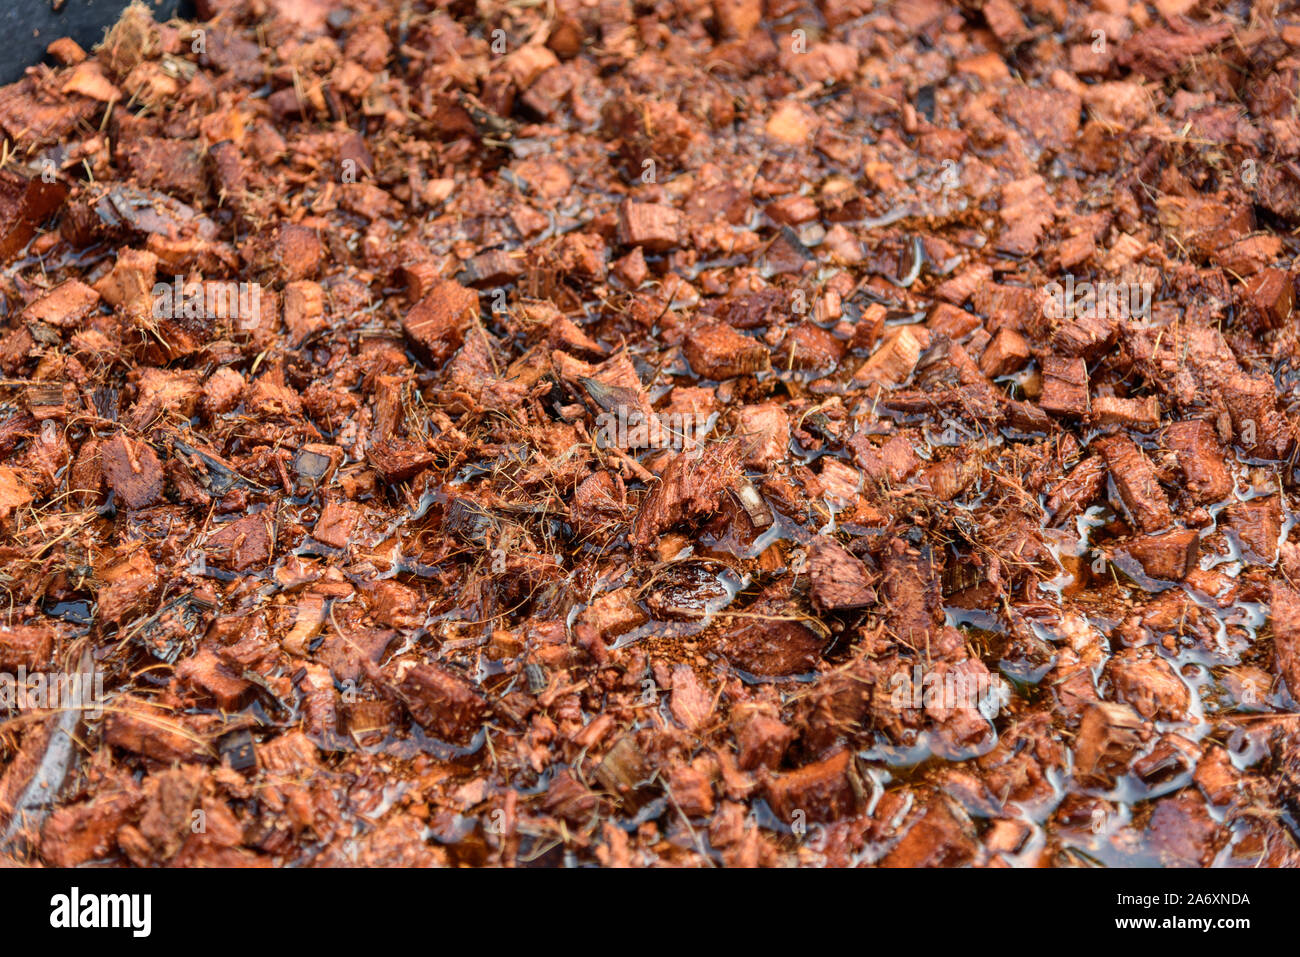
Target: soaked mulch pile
x,y
653,434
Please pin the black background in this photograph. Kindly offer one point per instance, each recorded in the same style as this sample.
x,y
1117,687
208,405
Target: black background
x,y
604,912
27,27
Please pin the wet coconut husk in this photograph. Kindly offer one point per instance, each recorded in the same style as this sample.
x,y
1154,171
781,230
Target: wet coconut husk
x,y
692,434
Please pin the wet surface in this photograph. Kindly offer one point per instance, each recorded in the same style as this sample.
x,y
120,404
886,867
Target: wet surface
x,y
936,577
